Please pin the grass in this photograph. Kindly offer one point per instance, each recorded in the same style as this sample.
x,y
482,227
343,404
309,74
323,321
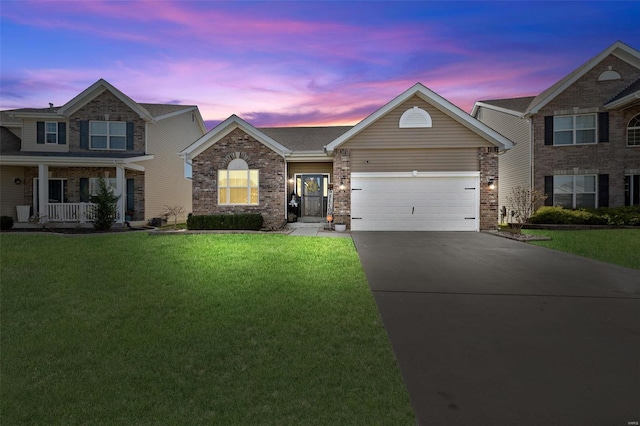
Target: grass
x,y
191,329
617,246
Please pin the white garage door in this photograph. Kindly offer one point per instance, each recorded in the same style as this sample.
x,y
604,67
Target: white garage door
x,y
424,202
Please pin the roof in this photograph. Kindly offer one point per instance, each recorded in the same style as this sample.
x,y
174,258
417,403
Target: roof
x,y
436,101
618,49
305,138
157,110
515,106
9,143
628,95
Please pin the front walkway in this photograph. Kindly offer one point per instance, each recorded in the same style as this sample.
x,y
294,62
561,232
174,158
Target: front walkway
x,y
314,230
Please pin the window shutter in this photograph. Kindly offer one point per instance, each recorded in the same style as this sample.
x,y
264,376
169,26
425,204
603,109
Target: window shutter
x,y
40,131
129,135
62,133
84,134
548,130
84,190
603,127
603,190
548,190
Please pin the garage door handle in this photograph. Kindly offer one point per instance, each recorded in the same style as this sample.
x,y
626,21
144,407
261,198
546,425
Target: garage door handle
x,y
413,209
356,189
470,218
354,218
469,188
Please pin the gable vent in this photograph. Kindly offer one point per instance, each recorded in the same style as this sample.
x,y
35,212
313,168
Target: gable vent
x,y
415,118
609,75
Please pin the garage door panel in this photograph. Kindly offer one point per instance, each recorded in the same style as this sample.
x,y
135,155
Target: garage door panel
x,y
415,203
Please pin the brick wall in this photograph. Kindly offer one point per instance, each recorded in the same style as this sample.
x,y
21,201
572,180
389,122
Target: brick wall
x,y
272,189
588,95
342,198
106,103
488,160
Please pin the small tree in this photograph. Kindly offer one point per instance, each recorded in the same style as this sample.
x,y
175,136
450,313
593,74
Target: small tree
x,y
523,203
174,211
106,211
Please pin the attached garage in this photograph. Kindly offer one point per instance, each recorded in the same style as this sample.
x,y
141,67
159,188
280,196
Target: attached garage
x,y
415,201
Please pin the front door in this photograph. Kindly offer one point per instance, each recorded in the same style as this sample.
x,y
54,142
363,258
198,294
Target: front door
x,y
312,190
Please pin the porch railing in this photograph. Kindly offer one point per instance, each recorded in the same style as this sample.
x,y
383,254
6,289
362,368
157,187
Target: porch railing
x,y
71,212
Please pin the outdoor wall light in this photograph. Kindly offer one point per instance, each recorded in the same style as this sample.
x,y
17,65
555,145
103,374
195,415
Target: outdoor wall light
x,y
491,184
17,181
341,187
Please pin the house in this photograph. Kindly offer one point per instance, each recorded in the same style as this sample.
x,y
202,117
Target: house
x,y
579,140
417,163
51,158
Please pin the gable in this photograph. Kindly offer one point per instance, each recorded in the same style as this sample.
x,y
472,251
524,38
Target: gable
x,y
445,132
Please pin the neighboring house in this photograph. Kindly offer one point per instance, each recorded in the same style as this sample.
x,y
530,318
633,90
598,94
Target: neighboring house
x,y
579,140
418,163
51,158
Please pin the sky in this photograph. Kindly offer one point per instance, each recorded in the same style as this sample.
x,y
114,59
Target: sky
x,y
310,63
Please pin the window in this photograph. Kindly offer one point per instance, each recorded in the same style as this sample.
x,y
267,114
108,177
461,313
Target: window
x,y
632,190
51,132
575,192
93,185
237,184
633,131
415,118
108,135
574,129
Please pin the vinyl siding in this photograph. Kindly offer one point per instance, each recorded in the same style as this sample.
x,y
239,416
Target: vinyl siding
x,y
514,165
30,139
406,160
12,195
165,183
445,132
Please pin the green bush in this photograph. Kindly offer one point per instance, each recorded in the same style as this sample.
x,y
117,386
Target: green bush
x,y
247,221
614,216
6,223
106,211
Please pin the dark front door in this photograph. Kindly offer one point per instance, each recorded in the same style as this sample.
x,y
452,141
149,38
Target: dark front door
x,y
313,195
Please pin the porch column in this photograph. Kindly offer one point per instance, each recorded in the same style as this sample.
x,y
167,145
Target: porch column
x,y
120,190
43,189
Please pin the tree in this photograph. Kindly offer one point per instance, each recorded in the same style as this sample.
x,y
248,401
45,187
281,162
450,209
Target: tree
x,y
173,211
106,210
523,203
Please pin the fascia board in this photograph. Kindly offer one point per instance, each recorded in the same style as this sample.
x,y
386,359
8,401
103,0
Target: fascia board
x,y
633,97
479,105
43,115
315,156
22,160
175,113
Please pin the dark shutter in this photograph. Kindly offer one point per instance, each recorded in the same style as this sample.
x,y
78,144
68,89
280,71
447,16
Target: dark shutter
x,y
603,190
40,131
548,130
84,190
129,136
130,192
62,133
603,127
84,134
548,190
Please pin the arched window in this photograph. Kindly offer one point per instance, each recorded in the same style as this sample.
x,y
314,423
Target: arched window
x,y
633,131
237,184
414,118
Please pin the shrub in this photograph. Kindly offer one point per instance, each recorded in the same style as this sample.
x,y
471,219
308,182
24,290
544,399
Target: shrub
x,y
615,216
6,223
106,211
249,221
620,216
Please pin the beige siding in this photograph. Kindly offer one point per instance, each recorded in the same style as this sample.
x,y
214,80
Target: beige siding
x,y
30,139
445,132
423,160
317,167
165,183
11,195
514,165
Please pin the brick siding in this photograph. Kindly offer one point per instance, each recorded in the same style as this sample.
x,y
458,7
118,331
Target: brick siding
x,y
488,160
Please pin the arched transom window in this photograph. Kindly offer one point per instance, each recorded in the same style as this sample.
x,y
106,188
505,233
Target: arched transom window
x,y
415,117
237,184
633,131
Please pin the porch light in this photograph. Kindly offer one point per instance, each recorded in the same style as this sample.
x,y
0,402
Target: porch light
x,y
17,181
341,187
491,184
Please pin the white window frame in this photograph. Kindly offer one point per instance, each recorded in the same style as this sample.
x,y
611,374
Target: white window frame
x,y
47,132
238,165
574,130
93,185
574,193
630,188
636,130
108,135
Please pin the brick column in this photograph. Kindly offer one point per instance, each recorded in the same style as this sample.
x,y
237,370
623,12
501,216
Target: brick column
x,y
342,175
489,211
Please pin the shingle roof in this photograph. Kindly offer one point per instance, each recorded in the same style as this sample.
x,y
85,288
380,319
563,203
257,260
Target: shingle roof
x,y
305,138
157,110
513,104
630,89
9,143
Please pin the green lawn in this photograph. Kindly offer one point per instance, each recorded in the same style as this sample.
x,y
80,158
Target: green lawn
x,y
192,329
617,246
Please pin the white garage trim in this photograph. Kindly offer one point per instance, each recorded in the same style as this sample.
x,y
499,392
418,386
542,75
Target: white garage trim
x,y
415,201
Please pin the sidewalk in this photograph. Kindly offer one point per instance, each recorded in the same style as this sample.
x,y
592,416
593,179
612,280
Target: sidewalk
x,y
314,230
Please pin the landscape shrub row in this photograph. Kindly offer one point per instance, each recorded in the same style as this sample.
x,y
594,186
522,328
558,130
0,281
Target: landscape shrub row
x,y
6,223
226,222
612,216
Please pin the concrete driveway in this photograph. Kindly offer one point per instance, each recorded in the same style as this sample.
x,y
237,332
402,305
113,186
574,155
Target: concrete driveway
x,y
491,331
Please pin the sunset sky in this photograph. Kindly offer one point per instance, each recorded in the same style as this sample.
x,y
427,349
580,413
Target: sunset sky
x,y
299,63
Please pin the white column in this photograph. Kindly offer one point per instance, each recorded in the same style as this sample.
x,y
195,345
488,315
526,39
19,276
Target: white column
x,y
121,185
43,190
